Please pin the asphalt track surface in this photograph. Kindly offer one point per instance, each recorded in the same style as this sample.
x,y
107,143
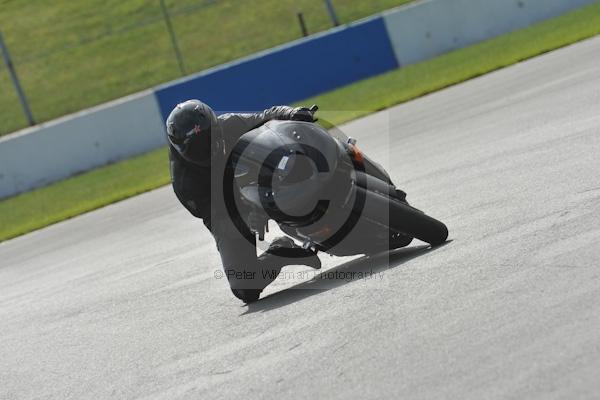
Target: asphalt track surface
x,y
123,302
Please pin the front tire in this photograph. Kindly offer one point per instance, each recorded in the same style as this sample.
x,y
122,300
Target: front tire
x,y
415,223
403,218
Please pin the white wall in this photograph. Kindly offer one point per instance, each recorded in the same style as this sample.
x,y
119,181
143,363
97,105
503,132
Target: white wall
x,y
56,150
429,28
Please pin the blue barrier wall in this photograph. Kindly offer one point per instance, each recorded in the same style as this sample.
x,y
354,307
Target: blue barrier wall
x,y
289,73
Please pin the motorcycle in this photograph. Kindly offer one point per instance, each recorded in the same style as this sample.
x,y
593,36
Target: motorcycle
x,y
323,191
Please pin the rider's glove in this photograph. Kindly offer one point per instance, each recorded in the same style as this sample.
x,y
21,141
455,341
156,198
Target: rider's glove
x,y
302,114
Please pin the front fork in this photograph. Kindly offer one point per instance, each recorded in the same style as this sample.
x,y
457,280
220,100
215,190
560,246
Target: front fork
x,y
258,223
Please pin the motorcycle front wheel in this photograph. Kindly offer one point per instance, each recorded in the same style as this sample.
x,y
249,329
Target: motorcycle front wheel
x,y
401,217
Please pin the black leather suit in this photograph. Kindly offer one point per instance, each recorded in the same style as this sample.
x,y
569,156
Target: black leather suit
x,y
197,191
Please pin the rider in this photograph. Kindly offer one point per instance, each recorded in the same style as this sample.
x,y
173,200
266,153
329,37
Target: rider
x,y
199,143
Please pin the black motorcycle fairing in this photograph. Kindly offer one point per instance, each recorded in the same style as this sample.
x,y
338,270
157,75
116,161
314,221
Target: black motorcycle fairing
x,y
322,190
289,164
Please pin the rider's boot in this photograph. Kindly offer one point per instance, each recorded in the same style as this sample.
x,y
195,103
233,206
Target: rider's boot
x,y
282,251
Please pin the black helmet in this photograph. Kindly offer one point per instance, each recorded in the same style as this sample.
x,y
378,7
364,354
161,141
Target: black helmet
x,y
189,129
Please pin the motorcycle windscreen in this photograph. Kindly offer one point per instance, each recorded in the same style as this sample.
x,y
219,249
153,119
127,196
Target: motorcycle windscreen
x,y
284,167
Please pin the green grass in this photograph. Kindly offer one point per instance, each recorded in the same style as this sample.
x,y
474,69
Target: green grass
x,y
71,55
103,186
85,192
